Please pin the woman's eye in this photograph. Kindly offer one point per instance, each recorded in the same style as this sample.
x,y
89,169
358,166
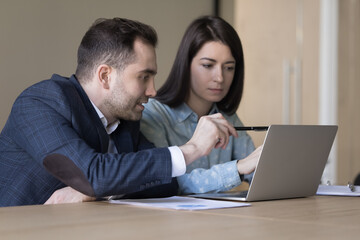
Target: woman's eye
x,y
230,68
207,65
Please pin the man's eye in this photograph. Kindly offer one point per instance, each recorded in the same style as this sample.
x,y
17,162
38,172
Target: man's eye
x,y
145,77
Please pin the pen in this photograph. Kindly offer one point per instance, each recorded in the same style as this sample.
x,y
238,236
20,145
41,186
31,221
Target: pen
x,y
257,128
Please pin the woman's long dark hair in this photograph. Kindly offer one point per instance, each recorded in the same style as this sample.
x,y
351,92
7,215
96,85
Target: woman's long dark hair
x,y
176,88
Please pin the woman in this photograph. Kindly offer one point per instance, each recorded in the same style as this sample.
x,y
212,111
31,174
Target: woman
x,y
207,77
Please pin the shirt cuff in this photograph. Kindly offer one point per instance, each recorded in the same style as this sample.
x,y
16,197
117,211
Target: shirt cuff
x,y
178,161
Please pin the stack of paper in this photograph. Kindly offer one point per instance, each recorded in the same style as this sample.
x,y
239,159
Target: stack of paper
x,y
180,203
337,190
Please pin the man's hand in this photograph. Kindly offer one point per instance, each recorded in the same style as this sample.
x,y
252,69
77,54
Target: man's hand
x,y
212,131
68,195
248,164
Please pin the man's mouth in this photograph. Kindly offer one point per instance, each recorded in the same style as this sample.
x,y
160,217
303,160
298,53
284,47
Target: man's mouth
x,y
141,104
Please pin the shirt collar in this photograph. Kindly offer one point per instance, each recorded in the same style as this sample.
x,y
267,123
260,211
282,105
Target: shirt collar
x,y
183,112
109,128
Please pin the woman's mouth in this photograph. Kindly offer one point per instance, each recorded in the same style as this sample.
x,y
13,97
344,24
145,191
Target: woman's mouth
x,y
216,90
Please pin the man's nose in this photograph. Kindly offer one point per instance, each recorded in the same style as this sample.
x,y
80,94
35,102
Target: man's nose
x,y
150,89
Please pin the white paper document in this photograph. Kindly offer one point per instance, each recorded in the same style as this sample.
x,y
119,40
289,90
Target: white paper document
x,y
180,203
337,190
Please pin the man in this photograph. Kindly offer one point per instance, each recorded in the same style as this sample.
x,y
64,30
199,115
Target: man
x,y
83,131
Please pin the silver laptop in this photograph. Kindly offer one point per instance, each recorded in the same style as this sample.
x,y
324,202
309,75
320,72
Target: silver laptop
x,y
290,165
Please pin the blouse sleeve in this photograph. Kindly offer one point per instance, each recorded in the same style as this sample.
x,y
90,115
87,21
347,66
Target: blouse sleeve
x,y
220,177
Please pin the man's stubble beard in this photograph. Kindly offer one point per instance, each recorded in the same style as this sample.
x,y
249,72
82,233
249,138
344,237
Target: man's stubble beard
x,y
123,106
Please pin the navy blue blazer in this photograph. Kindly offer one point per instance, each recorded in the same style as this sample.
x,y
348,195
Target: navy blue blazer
x,y
54,138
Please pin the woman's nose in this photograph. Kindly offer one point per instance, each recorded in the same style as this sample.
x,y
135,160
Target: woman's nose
x,y
218,75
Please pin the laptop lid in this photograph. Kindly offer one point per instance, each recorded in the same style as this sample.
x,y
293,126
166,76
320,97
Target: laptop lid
x,y
290,165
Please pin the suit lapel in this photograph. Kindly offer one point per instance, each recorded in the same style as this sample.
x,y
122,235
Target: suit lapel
x,y
124,138
103,137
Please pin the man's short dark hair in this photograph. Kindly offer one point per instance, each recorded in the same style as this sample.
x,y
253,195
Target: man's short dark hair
x,y
111,42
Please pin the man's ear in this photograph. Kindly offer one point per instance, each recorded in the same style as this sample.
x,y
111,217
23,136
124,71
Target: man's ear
x,y
103,75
